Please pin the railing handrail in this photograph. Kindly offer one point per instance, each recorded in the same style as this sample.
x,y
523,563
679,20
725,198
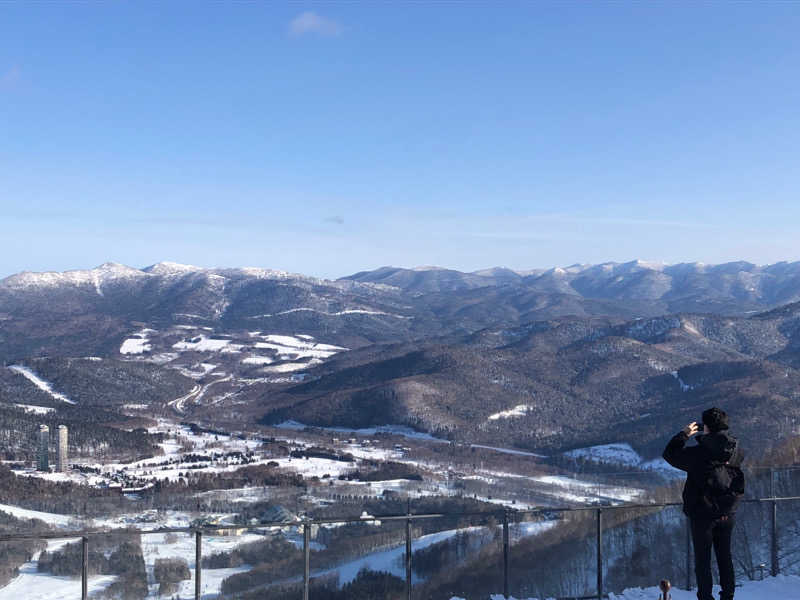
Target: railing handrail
x,y
507,511
408,518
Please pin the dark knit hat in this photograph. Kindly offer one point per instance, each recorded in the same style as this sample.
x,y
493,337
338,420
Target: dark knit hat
x,y
715,419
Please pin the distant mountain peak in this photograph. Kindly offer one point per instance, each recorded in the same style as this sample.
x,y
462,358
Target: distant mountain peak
x,y
97,276
171,268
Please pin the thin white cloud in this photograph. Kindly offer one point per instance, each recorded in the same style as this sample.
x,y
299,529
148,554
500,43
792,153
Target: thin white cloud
x,y
311,23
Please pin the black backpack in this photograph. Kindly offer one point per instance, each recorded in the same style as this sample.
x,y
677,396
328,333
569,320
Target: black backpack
x,y
722,486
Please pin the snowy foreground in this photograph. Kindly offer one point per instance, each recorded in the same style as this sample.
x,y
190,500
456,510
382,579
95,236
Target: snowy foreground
x,y
785,587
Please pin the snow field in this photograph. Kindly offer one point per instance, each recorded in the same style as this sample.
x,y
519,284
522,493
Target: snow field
x,y
625,456
618,454
518,411
39,410
53,519
203,343
32,585
257,360
137,343
294,348
159,545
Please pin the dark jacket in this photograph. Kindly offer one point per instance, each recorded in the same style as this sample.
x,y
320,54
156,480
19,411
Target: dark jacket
x,y
712,450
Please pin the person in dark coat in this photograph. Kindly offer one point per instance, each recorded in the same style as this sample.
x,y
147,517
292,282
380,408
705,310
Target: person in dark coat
x,y
714,485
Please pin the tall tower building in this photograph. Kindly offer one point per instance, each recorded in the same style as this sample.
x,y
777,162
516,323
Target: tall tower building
x,y
44,448
62,456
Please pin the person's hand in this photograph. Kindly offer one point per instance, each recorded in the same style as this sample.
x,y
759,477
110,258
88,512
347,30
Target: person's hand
x,y
691,429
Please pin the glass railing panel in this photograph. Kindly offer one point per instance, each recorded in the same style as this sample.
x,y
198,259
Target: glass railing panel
x,y
552,554
359,559
264,562
462,559
43,570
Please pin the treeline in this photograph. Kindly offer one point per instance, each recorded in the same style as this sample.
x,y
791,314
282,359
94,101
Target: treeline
x,y
368,585
640,546
92,433
109,382
110,556
277,560
61,497
15,554
384,471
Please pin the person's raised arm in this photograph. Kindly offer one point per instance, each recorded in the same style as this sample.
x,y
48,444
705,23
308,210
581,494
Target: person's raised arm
x,y
676,452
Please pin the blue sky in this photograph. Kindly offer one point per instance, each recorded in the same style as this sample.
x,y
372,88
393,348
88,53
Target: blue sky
x,y
328,138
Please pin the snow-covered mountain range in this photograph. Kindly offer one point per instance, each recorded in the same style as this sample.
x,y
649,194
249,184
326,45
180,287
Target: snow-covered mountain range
x,y
485,354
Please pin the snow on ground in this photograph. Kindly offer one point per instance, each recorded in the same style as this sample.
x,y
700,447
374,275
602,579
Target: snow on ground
x,y
162,358
137,343
391,560
352,311
257,360
159,545
39,382
576,490
618,454
684,386
784,587
39,410
624,455
220,449
310,467
293,348
518,411
178,403
50,518
238,495
32,585
519,531
202,343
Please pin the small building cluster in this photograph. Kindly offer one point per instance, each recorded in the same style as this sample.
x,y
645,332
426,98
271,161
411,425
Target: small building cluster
x,y
62,444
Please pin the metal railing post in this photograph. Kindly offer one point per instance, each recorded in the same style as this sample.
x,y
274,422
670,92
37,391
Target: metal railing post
x,y
688,554
408,552
774,546
409,518
306,559
599,554
505,554
774,523
85,569
198,565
